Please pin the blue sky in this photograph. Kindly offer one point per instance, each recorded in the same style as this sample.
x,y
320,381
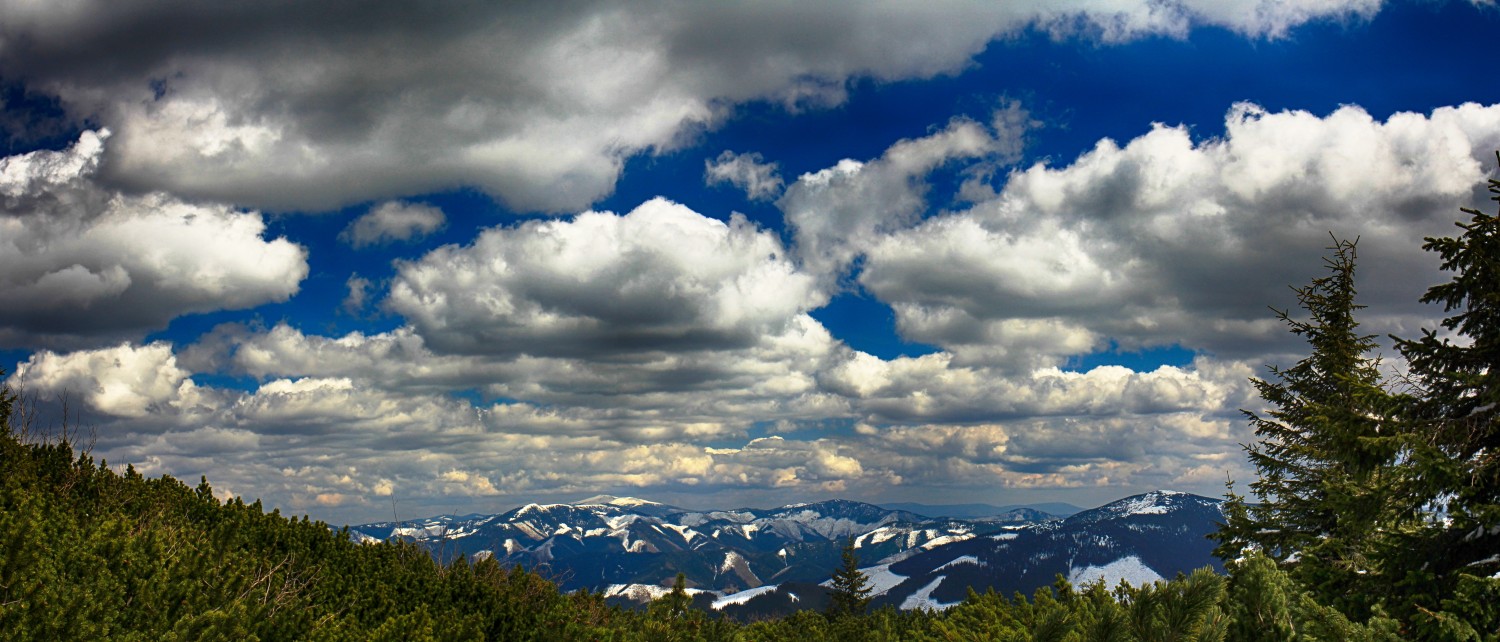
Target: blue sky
x,y
709,254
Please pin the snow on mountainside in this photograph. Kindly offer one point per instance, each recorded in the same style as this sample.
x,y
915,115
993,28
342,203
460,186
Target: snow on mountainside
x,y
1129,570
605,541
1137,539
750,562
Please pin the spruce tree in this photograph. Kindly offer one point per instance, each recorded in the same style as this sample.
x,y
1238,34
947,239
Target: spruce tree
x,y
851,590
1452,562
1325,450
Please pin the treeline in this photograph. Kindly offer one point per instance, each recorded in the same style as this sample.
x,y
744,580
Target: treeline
x,y
1376,516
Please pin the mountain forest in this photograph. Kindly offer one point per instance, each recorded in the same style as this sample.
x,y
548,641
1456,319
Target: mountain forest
x,y
1375,516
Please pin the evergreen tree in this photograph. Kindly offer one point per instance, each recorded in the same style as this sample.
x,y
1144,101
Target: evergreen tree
x,y
1452,561
1324,453
673,605
851,590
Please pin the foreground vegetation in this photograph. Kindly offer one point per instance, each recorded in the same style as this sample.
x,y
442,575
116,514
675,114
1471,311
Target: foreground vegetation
x,y
1377,517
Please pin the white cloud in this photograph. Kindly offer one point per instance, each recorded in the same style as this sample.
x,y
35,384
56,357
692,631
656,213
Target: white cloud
x,y
837,212
258,105
749,172
933,389
368,418
122,381
83,265
393,221
659,278
1170,240
1161,239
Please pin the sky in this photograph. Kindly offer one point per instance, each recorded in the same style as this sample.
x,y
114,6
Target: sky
x,y
373,259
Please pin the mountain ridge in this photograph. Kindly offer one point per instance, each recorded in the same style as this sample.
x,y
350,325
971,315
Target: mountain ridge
x,y
759,561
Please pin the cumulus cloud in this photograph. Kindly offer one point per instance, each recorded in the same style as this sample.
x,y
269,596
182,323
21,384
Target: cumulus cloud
x,y
1170,240
835,213
933,389
288,106
122,381
660,277
749,172
647,397
393,221
84,265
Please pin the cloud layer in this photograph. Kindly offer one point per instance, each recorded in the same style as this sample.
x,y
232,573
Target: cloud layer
x,y
664,351
289,106
675,349
81,264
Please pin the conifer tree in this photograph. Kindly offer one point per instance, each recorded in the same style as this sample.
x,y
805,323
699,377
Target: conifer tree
x,y
675,604
1452,562
1324,452
851,590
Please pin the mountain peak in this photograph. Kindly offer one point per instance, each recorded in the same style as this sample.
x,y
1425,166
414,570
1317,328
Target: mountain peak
x,y
611,500
1156,502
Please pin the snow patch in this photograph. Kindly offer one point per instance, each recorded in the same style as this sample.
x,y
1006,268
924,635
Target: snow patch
x,y
922,599
687,533
875,537
946,539
644,592
880,579
1130,569
743,596
433,530
966,559
621,521
730,559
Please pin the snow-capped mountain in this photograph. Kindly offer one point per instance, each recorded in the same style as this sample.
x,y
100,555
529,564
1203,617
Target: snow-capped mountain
x,y
1137,539
608,543
749,562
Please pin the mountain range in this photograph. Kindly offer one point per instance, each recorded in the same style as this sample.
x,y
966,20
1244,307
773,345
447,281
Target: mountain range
x,y
751,562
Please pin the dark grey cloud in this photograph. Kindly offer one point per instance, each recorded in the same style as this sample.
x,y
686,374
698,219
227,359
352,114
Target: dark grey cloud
x,y
291,105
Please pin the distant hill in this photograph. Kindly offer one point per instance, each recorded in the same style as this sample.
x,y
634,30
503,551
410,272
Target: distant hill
x,y
1059,509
